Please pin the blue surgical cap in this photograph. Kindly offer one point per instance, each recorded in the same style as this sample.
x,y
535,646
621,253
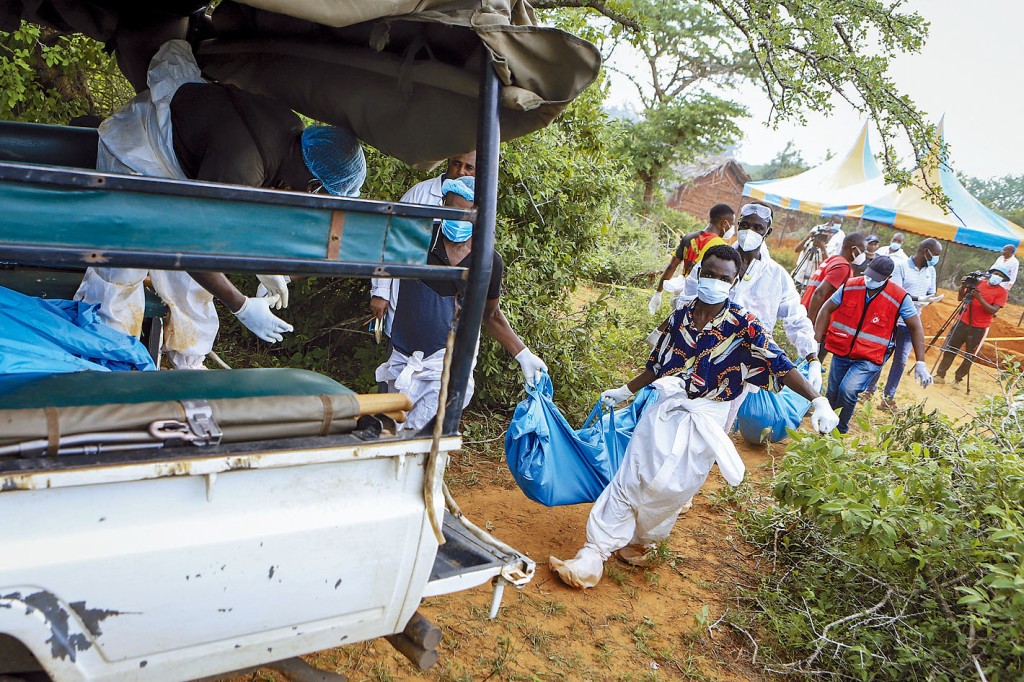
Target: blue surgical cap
x,y
335,157
465,187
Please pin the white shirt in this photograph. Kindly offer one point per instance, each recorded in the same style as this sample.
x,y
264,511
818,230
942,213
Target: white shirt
x,y
1009,266
767,290
426,192
897,256
835,244
916,281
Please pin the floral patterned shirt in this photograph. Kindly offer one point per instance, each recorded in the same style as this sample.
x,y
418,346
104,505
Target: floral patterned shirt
x,y
715,362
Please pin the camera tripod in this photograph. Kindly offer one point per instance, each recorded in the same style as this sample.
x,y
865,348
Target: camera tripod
x,y
955,317
805,257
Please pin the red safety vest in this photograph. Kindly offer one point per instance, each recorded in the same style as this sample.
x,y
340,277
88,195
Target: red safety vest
x,y
861,329
818,278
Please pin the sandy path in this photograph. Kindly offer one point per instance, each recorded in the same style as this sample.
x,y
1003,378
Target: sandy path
x,y
637,624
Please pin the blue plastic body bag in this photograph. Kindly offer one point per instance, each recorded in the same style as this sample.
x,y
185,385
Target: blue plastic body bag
x,y
555,465
773,411
39,336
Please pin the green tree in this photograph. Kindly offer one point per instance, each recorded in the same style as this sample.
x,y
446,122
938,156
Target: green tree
x,y
1003,195
49,77
786,163
805,54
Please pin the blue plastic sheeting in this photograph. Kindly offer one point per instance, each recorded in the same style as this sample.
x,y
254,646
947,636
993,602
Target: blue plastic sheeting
x,y
556,465
39,336
775,412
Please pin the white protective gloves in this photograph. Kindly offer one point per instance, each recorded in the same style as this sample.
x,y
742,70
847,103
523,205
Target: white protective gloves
x,y
814,374
824,418
274,285
531,365
922,374
652,338
614,396
655,303
256,316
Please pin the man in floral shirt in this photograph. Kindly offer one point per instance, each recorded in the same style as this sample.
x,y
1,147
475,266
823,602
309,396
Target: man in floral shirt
x,y
709,349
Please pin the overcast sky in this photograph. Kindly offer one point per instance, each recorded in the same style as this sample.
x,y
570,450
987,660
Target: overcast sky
x,y
969,70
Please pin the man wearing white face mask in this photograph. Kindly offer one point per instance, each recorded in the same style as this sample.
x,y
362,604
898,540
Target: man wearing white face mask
x,y
425,312
896,251
765,289
984,301
711,347
857,325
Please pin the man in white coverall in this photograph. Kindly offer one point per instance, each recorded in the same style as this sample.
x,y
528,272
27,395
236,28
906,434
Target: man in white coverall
x,y
184,127
712,348
425,312
384,290
765,289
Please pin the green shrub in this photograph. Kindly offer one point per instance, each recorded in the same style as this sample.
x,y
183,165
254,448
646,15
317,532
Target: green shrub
x,y
897,554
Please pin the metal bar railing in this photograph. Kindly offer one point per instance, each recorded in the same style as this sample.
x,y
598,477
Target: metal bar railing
x,y
472,311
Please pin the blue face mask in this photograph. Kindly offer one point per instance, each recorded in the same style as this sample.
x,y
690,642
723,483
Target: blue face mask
x,y
933,261
872,283
712,291
995,280
457,230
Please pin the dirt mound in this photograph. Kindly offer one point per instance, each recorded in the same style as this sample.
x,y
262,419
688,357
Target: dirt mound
x,y
1004,326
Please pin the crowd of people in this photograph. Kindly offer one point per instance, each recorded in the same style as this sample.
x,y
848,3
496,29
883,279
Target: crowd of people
x,y
860,303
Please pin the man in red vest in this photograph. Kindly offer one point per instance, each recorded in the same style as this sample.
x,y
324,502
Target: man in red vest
x,y
833,273
857,324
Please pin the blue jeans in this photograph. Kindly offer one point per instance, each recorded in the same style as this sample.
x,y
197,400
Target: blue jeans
x,y
847,378
899,361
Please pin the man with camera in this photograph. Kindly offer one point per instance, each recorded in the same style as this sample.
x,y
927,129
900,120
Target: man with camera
x,y
983,296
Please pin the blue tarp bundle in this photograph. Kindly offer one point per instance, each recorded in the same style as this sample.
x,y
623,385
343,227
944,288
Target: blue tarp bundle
x,y
39,336
556,465
775,412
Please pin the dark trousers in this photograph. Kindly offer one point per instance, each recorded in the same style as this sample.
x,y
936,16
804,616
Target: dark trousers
x,y
966,336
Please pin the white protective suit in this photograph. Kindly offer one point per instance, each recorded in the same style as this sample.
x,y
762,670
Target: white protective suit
x,y
138,139
420,379
427,192
668,459
766,290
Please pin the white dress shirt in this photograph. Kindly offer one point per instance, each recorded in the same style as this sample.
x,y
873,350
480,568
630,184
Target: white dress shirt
x,y
426,192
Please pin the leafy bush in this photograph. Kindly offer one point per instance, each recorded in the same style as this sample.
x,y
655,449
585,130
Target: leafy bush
x,y
898,554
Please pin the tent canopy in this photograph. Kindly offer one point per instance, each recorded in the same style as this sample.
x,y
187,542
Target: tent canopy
x,y
827,190
807,191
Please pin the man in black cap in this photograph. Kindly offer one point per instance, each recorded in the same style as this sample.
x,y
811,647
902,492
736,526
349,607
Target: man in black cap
x,y
857,325
984,301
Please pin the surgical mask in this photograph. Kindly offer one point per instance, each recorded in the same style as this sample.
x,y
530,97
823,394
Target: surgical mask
x,y
749,240
457,230
729,233
873,283
995,280
861,257
933,261
895,246
712,291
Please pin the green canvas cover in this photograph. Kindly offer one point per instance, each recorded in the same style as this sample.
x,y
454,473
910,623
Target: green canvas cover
x,y
402,74
94,219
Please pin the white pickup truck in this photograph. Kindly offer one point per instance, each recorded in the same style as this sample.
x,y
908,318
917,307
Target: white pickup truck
x,y
167,526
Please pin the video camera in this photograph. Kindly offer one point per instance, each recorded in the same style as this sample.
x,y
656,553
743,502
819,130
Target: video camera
x,y
972,279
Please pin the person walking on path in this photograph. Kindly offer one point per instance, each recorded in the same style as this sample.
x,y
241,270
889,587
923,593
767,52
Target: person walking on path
x,y
917,277
857,325
711,348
